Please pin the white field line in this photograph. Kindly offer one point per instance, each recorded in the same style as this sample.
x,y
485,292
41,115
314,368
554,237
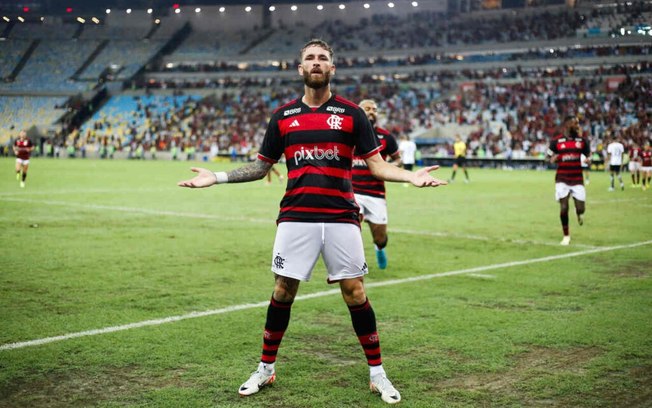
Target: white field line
x,y
235,308
147,211
482,276
22,193
135,210
482,238
640,200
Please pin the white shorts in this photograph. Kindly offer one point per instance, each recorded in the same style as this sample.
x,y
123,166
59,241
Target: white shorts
x,y
374,209
646,169
22,161
562,190
298,245
634,166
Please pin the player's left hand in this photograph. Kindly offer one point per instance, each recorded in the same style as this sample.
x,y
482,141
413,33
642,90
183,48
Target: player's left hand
x,y
422,178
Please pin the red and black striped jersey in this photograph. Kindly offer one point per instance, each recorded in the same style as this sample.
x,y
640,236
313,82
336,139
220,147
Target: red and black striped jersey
x,y
646,156
318,144
569,151
635,154
23,148
363,182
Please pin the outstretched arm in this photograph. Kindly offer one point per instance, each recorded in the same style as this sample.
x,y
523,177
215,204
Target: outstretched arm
x,y
387,172
206,178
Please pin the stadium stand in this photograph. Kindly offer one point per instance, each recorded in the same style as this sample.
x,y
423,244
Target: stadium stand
x,y
432,75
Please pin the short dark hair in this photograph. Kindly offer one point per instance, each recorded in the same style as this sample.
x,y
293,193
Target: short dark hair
x,y
319,43
569,117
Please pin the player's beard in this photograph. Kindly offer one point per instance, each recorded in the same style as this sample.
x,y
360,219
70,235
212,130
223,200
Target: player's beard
x,y
316,83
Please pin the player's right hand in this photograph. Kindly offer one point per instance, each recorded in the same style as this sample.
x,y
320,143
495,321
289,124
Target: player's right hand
x,y
204,178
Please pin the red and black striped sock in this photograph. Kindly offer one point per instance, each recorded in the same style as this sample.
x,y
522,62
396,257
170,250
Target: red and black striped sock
x,y
278,318
364,324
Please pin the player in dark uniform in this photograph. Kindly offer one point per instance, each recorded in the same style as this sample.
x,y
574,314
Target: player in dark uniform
x,y
369,191
566,150
318,216
22,149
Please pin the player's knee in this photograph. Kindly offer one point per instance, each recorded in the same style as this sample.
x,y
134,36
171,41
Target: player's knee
x,y
285,289
381,240
353,292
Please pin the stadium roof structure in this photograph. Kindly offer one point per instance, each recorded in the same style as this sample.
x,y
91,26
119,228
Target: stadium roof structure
x,y
67,6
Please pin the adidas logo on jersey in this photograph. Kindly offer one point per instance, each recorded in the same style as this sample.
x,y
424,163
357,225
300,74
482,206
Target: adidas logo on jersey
x,y
294,124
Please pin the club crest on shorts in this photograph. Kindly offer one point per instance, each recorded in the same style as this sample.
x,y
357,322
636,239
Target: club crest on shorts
x,y
279,261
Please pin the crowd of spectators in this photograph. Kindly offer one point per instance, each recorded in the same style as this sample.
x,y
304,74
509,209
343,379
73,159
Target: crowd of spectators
x,y
513,110
503,120
421,59
518,120
443,79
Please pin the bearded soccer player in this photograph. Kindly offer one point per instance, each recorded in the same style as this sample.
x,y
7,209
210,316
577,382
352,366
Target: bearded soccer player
x,y
369,191
319,216
22,149
566,150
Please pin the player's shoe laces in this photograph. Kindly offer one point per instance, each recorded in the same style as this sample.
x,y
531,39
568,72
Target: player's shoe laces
x,y
565,240
260,378
380,384
381,257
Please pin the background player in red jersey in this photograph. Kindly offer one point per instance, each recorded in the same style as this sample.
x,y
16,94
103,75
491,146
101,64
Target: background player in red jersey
x,y
635,164
369,191
646,166
566,150
318,133
22,149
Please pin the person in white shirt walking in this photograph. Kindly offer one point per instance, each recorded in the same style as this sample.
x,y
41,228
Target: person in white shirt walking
x,y
615,151
408,150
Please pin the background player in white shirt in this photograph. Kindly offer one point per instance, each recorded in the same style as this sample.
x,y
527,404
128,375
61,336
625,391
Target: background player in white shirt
x,y
615,151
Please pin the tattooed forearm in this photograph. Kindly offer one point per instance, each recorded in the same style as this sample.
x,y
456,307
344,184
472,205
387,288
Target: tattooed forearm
x,y
250,172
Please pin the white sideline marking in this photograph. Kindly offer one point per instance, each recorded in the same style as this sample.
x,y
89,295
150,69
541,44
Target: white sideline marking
x,y
156,322
482,276
134,210
481,238
618,200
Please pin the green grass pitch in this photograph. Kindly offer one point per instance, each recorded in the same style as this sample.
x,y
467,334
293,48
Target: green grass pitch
x,y
479,307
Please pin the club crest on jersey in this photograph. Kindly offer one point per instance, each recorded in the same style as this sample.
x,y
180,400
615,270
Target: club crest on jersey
x,y
335,122
578,144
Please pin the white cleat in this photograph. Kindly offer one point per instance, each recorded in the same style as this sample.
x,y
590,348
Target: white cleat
x,y
381,385
258,380
566,240
22,184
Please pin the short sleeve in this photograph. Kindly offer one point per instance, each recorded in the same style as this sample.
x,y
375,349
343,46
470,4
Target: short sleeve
x,y
272,147
366,141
